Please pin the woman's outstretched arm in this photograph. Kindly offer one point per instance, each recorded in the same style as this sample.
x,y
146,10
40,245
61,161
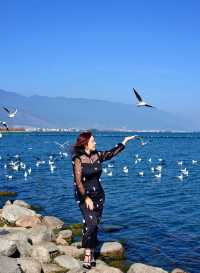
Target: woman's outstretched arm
x,y
107,155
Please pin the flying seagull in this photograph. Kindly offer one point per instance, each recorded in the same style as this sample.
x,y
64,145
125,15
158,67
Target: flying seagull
x,y
11,114
3,123
140,100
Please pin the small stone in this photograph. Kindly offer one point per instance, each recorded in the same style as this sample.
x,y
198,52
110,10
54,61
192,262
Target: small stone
x,y
44,251
178,270
7,247
28,221
73,251
12,213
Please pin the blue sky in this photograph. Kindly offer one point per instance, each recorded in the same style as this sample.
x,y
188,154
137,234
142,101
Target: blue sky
x,y
101,49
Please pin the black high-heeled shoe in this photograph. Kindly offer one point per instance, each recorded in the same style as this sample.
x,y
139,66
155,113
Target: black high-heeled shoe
x,y
87,264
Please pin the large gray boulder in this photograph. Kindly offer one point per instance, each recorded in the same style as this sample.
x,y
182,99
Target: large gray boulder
x,y
28,221
71,251
44,251
64,237
67,262
143,268
7,247
29,265
52,268
53,222
39,233
9,265
22,203
12,213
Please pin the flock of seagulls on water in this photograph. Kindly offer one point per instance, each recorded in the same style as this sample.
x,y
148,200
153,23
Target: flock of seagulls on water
x,y
16,164
156,169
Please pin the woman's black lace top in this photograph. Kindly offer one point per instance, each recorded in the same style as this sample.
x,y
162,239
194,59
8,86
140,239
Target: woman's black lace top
x,y
87,170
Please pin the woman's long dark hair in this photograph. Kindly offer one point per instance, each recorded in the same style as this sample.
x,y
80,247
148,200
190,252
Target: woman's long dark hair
x,y
81,142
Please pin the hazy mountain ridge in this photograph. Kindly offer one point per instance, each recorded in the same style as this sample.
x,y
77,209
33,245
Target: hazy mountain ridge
x,y
61,112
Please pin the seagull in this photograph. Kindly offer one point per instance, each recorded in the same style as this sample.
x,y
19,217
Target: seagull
x,y
141,173
11,114
3,123
62,146
141,102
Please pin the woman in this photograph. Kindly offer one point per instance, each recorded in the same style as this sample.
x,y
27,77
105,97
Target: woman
x,y
89,193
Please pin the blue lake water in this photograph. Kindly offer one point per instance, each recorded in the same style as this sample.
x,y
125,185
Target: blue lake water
x,y
160,218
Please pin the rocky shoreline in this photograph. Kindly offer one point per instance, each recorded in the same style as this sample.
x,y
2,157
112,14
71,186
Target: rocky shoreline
x,y
32,243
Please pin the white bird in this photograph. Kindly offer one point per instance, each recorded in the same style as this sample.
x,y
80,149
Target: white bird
x,y
4,124
25,174
158,175
141,173
110,165
158,168
9,176
11,114
194,161
150,159
152,169
137,155
29,170
105,170
62,146
125,169
180,163
52,167
139,159
141,102
110,173
180,177
1,135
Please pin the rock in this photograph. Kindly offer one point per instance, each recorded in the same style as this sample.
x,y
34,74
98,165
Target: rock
x,y
39,233
44,251
16,235
22,203
77,244
112,228
67,262
143,268
8,193
28,221
178,270
72,251
29,265
61,241
100,268
64,236
24,248
53,222
7,247
9,265
105,269
112,249
12,213
52,268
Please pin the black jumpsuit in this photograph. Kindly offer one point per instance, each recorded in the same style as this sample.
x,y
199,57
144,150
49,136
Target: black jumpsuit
x,y
87,170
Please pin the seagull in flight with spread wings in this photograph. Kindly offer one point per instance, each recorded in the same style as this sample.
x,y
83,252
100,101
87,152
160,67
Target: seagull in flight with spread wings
x,y
4,124
11,114
141,102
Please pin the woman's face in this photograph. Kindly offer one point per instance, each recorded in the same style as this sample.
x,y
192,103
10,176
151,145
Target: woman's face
x,y
91,144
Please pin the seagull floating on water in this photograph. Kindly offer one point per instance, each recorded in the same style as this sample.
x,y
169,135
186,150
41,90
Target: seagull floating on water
x,y
141,102
11,114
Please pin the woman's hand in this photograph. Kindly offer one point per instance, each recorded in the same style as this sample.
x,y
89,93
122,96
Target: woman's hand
x,y
89,203
126,139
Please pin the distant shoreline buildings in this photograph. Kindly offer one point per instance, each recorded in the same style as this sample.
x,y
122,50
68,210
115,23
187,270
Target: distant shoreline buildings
x,y
35,129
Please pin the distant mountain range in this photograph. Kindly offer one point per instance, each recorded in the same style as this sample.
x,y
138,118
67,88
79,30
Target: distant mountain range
x,y
61,112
